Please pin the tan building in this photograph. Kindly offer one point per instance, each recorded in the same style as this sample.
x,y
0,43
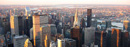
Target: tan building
x,y
14,25
38,21
61,43
27,43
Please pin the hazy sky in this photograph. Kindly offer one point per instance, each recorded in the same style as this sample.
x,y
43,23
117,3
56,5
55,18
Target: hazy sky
x,y
57,2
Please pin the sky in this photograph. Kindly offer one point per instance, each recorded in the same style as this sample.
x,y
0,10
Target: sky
x,y
58,2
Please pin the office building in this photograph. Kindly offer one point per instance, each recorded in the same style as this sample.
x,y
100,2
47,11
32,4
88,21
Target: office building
x,y
76,34
100,39
5,24
82,23
59,29
19,41
27,25
46,35
65,28
38,21
14,25
76,20
71,21
61,43
27,43
124,39
89,34
21,24
17,25
126,25
109,30
89,17
115,38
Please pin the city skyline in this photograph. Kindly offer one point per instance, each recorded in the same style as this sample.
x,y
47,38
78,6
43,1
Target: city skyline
x,y
59,2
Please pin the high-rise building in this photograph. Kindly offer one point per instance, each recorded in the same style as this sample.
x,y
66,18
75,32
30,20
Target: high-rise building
x,y
59,29
17,25
89,17
65,28
5,24
115,38
76,20
14,25
27,11
38,21
27,25
27,43
124,39
71,21
82,23
89,35
100,39
46,34
76,34
19,41
61,43
21,24
109,30
126,25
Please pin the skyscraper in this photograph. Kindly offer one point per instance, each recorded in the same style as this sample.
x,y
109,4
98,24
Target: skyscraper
x,y
126,25
46,34
76,34
100,39
76,31
115,38
61,42
89,35
124,39
27,43
21,24
65,28
76,21
5,24
14,25
38,21
27,25
89,17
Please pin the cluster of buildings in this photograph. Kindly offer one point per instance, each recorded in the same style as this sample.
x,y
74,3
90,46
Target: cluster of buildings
x,y
38,29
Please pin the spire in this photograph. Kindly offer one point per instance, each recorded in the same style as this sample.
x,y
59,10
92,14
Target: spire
x,y
76,19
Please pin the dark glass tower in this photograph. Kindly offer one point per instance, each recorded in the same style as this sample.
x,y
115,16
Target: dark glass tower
x,y
100,39
89,17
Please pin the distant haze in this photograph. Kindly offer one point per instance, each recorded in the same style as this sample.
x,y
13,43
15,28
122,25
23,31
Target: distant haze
x,y
58,2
